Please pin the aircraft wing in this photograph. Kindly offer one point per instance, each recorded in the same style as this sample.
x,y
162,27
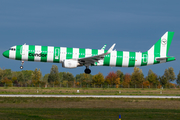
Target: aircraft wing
x,y
93,59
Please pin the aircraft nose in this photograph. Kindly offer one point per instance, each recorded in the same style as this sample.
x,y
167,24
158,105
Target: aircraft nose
x,y
6,54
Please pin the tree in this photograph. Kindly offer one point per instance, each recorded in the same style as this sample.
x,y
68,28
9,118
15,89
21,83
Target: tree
x,y
169,74
178,79
127,80
45,78
112,79
68,76
54,74
27,74
120,75
84,78
7,82
163,80
1,74
36,75
152,78
137,77
98,79
8,73
20,77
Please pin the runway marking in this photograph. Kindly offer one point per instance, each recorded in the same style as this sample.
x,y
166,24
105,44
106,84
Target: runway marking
x,y
91,96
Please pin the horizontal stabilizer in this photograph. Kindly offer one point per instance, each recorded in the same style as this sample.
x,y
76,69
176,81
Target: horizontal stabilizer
x,y
161,58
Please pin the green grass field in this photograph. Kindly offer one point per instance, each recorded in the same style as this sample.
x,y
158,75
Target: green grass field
x,y
89,108
89,91
88,114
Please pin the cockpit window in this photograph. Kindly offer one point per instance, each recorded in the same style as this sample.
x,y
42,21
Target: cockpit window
x,y
13,49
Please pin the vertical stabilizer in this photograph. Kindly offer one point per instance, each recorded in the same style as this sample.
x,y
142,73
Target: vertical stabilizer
x,y
161,48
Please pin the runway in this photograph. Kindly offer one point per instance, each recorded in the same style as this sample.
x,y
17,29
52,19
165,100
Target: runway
x,y
91,96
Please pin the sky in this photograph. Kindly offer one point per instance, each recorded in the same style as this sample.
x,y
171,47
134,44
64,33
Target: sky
x,y
134,25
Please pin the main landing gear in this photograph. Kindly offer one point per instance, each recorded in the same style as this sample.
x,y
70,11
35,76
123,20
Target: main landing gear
x,y
87,70
22,63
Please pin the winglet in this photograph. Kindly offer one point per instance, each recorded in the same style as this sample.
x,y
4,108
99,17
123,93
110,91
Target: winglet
x,y
111,49
103,47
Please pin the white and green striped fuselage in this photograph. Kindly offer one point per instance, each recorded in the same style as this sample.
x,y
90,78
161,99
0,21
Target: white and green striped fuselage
x,y
59,54
158,53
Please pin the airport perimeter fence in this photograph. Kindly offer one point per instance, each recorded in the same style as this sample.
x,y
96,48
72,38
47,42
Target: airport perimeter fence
x,y
73,85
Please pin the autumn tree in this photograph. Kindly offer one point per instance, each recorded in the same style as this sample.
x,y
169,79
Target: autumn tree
x,y
120,75
83,78
54,74
112,79
127,80
137,77
98,79
7,82
36,76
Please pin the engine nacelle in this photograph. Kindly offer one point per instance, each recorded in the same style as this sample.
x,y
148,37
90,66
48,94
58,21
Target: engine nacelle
x,y
70,64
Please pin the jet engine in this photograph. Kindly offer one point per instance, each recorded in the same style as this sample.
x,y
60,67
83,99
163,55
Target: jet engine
x,y
70,64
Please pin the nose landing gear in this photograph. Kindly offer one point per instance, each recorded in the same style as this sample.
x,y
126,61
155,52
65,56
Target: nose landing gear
x,y
22,63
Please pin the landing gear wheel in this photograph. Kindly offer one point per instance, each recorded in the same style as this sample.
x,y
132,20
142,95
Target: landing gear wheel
x,y
21,67
87,71
22,63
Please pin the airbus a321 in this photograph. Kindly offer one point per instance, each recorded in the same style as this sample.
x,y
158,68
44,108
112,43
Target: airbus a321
x,y
76,57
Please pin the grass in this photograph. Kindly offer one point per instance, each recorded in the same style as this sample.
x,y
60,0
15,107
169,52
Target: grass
x,y
88,114
89,108
89,91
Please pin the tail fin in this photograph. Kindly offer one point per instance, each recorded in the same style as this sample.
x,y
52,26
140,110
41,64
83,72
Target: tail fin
x,y
162,46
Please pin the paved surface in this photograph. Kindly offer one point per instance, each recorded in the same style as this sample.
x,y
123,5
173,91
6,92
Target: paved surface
x,y
92,96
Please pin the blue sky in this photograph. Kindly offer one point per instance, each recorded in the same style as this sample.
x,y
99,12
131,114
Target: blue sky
x,y
132,25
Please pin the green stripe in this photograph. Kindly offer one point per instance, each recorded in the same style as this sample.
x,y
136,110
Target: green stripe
x,y
119,59
44,50
32,51
132,57
56,54
18,54
144,60
170,37
94,52
81,53
106,59
69,54
157,49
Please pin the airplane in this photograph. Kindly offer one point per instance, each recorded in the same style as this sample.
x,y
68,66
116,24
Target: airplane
x,y
76,57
